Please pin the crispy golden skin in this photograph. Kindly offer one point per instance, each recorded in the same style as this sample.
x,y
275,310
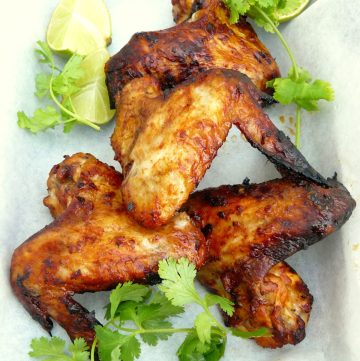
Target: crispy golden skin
x,y
165,141
280,302
250,229
204,42
92,245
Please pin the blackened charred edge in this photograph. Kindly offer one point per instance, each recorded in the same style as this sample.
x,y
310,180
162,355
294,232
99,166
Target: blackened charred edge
x,y
214,200
32,303
299,169
86,320
152,278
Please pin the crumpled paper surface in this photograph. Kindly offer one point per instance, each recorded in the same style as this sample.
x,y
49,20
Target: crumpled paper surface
x,y
325,40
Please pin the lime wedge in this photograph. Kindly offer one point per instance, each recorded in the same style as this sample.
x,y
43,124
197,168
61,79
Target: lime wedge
x,y
291,10
79,26
92,101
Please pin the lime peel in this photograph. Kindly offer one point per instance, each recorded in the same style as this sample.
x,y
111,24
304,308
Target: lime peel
x,y
79,26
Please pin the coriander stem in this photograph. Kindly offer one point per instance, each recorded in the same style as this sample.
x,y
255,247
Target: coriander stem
x,y
298,127
164,330
294,66
218,324
282,39
93,346
54,98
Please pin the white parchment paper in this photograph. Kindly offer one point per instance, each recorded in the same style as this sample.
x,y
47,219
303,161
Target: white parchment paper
x,y
325,39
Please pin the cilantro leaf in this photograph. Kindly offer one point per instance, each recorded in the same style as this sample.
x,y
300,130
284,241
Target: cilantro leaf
x,y
42,119
108,340
59,85
53,349
45,54
153,337
159,308
301,90
79,350
178,281
65,83
116,354
192,349
42,83
130,349
203,323
226,305
126,292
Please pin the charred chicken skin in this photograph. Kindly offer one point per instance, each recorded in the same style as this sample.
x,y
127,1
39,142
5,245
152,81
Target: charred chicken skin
x,y
281,302
206,41
250,229
165,141
91,246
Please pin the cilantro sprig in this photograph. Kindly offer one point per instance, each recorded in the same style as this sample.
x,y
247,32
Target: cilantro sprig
x,y
54,349
58,85
298,87
138,313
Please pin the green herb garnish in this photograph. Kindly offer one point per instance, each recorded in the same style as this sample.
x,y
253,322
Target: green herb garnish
x,y
58,85
298,87
137,312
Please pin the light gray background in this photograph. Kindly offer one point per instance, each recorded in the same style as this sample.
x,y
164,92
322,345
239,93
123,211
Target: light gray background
x,y
325,39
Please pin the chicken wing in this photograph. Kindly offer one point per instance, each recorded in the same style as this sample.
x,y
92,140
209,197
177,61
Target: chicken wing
x,y
206,41
250,228
165,141
280,302
92,245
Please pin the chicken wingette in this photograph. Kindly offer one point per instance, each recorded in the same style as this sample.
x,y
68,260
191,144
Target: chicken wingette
x,y
165,141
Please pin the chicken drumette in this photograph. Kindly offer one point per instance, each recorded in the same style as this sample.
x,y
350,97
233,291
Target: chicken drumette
x,y
206,41
92,245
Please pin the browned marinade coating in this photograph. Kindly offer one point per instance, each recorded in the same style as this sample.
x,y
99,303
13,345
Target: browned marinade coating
x,y
91,246
280,302
250,228
165,141
206,41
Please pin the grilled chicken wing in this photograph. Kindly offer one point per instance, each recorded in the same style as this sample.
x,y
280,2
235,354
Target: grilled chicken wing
x,y
92,245
250,229
206,41
165,141
280,302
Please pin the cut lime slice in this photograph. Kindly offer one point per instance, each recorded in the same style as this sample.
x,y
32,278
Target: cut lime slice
x,y
92,101
79,26
291,10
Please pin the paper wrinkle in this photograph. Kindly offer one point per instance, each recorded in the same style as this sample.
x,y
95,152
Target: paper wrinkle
x,y
325,40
